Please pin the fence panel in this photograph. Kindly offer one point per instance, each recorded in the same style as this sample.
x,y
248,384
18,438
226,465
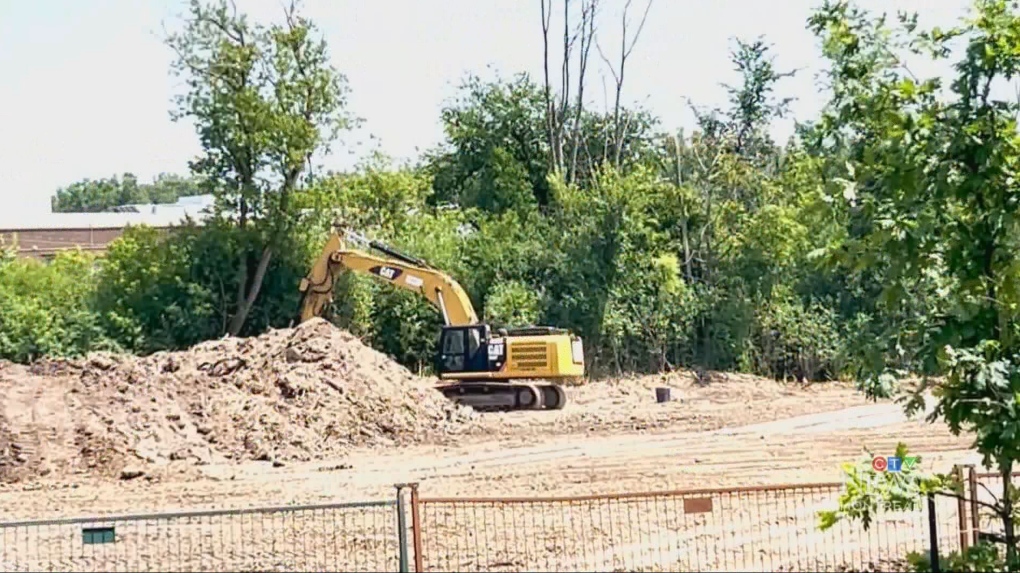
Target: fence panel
x,y
749,529
758,528
329,537
987,488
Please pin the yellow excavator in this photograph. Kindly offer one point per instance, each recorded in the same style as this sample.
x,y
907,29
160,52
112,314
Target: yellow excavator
x,y
504,370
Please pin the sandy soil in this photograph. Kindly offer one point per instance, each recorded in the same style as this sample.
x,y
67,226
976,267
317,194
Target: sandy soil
x,y
612,437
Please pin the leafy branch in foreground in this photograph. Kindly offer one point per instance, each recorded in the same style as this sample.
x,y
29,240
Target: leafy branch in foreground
x,y
928,179
868,492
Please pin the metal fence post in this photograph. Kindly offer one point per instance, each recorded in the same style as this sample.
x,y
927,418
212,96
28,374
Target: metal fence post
x,y
975,516
961,507
416,529
933,533
401,529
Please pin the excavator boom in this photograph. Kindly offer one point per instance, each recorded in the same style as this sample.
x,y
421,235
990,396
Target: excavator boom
x,y
399,270
479,366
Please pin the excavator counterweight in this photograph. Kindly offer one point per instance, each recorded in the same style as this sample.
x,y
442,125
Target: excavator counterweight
x,y
515,369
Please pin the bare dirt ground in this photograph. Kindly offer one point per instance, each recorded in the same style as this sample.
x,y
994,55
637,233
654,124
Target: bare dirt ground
x,y
612,437
309,416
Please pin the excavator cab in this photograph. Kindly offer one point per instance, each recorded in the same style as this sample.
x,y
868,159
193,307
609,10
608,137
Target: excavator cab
x,y
465,349
476,361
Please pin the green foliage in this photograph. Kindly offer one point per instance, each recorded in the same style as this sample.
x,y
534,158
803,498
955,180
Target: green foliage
x,y
45,308
159,292
924,184
496,152
649,315
981,395
512,304
948,230
88,196
378,196
867,491
978,558
791,339
498,155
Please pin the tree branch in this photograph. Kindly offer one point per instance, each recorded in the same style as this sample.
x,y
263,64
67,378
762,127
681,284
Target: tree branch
x,y
588,13
550,120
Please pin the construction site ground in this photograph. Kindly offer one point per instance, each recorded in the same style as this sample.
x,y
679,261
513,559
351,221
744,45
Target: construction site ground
x,y
612,437
312,415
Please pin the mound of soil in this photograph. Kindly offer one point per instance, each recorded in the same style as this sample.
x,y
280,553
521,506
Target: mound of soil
x,y
291,394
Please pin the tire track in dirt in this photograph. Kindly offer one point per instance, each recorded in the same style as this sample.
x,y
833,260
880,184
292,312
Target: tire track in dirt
x,y
724,444
587,464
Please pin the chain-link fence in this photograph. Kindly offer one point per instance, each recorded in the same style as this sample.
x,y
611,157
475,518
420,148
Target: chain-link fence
x,y
771,528
328,537
749,529
985,490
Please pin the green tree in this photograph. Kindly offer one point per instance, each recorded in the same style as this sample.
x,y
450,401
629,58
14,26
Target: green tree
x,y
159,291
928,194
92,196
497,155
264,100
378,195
735,221
45,308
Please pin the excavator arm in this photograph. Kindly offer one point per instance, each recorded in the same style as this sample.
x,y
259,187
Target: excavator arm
x,y
396,268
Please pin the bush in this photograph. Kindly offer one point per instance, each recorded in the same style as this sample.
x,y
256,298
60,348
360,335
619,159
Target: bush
x,y
45,308
648,320
980,557
790,339
171,291
512,304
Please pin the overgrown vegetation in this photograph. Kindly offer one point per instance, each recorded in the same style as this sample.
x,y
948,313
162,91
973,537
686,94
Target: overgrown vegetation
x,y
662,249
879,242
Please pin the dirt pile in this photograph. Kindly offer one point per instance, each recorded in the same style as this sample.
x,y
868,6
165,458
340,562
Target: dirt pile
x,y
292,394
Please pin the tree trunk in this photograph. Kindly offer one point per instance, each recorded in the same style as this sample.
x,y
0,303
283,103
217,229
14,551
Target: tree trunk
x,y
679,181
245,304
709,275
1007,516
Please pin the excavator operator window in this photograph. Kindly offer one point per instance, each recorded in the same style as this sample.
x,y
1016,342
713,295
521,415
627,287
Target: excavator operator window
x,y
453,342
453,350
474,340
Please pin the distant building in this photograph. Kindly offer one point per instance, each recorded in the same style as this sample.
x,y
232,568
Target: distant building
x,y
44,235
193,205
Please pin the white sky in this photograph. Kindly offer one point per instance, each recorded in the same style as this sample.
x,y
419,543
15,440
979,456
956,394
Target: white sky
x,y
86,88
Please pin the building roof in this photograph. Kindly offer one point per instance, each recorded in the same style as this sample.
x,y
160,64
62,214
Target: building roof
x,y
150,215
192,204
90,221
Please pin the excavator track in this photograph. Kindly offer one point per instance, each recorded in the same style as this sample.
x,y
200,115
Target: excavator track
x,y
488,396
